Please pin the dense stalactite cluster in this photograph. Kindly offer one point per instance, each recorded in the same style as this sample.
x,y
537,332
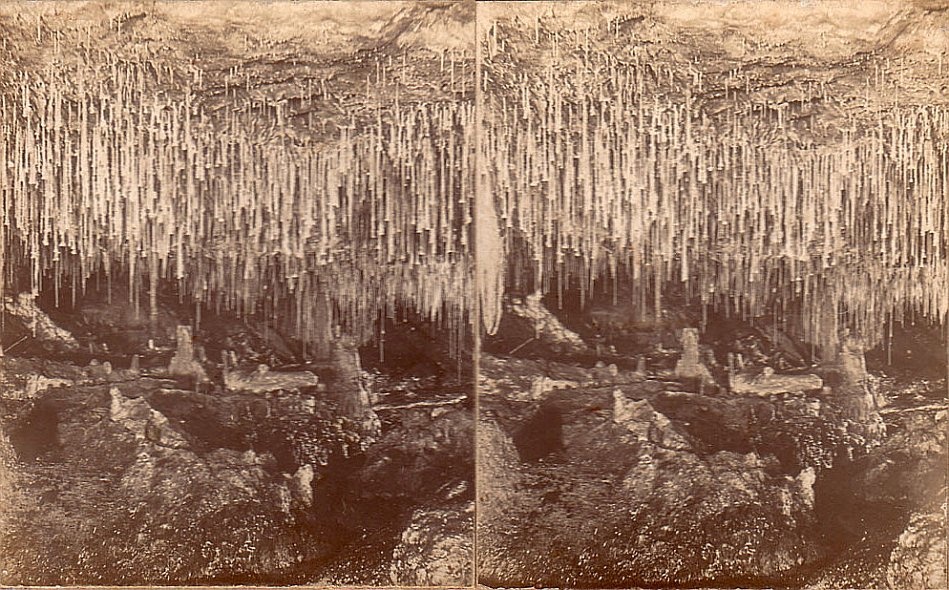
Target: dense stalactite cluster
x,y
617,164
122,168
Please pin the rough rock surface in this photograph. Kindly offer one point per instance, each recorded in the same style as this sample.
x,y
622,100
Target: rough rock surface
x,y
919,558
436,549
767,382
629,499
23,308
422,459
896,537
547,327
208,485
175,508
222,488
26,378
592,477
263,380
646,424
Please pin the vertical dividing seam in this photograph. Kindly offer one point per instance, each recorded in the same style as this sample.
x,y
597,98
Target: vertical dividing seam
x,y
476,291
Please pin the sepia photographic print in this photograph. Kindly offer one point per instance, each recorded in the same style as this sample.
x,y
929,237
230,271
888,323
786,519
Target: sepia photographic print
x,y
637,294
717,328
236,268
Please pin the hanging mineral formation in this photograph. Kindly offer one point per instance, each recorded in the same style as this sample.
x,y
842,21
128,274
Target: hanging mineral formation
x,y
610,163
122,168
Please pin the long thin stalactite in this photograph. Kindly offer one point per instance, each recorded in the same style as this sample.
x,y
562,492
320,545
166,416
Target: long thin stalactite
x,y
121,167
618,164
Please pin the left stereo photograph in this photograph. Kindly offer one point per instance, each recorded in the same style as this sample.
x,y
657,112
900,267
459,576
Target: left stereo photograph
x,y
235,286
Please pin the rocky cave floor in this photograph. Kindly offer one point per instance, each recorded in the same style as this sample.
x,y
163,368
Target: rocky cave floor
x,y
113,473
600,465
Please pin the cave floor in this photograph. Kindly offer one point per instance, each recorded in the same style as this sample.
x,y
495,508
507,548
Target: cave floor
x,y
130,478
594,478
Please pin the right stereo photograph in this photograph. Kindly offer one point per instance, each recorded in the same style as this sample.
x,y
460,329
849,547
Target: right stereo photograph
x,y
713,271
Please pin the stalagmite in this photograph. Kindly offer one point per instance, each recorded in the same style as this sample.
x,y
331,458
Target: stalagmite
x,y
690,366
183,364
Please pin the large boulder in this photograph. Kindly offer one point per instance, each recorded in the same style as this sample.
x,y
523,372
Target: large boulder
x,y
919,558
436,548
645,423
529,328
22,379
547,328
35,324
628,499
417,480
174,479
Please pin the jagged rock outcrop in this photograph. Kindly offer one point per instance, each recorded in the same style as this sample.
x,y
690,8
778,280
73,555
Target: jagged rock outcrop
x,y
645,423
178,507
26,378
423,458
919,559
547,328
888,509
38,324
436,549
627,499
146,423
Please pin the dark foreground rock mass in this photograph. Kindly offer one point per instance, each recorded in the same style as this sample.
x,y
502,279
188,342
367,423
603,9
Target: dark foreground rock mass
x,y
596,472
114,474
